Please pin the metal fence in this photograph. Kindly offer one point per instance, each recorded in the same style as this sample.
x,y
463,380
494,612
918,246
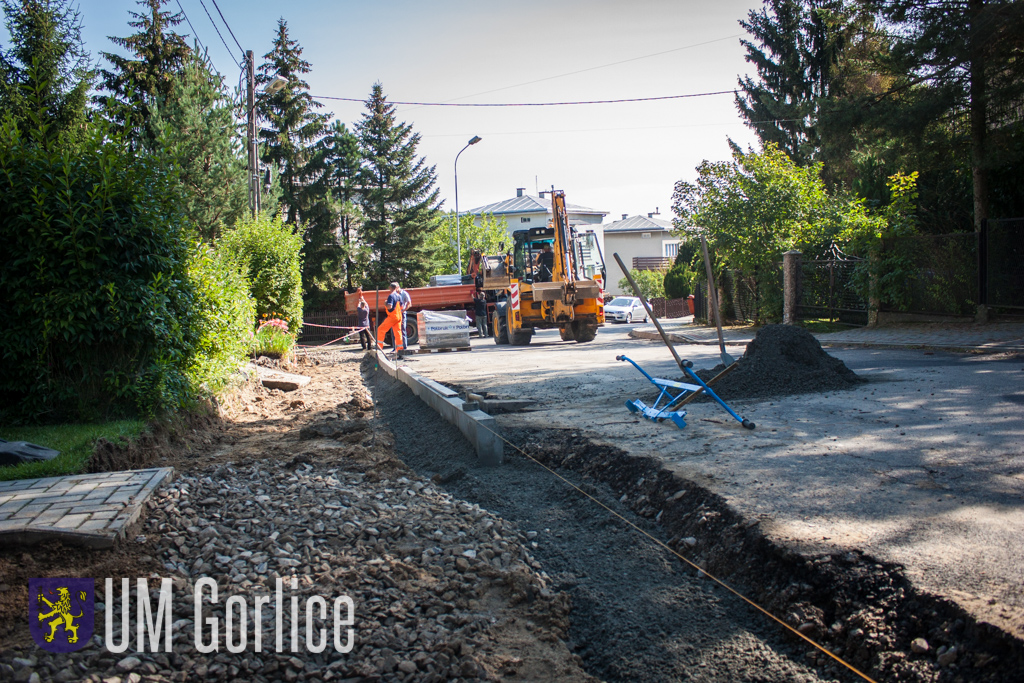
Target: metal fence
x,y
1001,262
933,274
745,298
333,319
670,308
831,288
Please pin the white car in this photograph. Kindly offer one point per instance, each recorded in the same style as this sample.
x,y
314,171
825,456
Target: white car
x,y
624,309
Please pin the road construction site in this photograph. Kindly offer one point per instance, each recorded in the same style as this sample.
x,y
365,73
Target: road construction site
x,y
882,519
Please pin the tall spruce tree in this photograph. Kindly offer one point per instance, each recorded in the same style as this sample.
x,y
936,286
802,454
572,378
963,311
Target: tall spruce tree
x,y
797,48
132,84
342,163
45,73
291,134
291,125
398,197
195,128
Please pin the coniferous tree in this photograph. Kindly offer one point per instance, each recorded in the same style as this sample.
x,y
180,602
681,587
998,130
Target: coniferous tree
x,y
795,46
291,123
398,197
291,146
45,74
133,84
342,164
965,55
195,127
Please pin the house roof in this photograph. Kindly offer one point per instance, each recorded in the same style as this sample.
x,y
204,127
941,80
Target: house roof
x,y
638,224
529,203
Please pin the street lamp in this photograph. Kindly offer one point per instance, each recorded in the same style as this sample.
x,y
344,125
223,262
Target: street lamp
x,y
458,233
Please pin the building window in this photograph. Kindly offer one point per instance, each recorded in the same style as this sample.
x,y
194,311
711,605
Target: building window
x,y
671,249
645,235
524,220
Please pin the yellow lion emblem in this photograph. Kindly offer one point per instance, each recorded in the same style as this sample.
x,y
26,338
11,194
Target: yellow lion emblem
x,y
62,610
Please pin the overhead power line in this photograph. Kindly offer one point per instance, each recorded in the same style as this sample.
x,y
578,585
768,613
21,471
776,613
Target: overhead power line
x,y
219,34
195,34
228,27
534,104
600,66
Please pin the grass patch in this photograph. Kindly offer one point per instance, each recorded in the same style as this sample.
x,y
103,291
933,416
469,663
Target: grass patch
x,y
74,441
823,325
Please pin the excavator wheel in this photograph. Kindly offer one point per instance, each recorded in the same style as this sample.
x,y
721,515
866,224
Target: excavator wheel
x,y
585,332
567,333
521,337
500,329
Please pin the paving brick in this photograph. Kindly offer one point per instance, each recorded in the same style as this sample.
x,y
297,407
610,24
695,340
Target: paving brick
x,y
94,525
90,509
50,516
13,506
30,511
70,521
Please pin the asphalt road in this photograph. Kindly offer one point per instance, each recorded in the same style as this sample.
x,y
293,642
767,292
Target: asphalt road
x,y
923,465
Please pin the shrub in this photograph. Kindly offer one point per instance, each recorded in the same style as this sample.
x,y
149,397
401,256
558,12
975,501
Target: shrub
x,y
650,282
679,281
273,339
94,297
223,311
269,251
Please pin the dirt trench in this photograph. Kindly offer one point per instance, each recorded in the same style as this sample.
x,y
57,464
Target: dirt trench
x,y
639,613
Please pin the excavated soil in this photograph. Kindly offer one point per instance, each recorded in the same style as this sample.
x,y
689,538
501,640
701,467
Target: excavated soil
x,y
640,613
259,437
781,359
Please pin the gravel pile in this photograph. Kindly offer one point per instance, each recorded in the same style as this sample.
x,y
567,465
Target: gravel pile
x,y
421,567
781,359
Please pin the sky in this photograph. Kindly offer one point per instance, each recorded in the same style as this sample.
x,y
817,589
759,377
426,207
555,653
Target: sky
x,y
623,158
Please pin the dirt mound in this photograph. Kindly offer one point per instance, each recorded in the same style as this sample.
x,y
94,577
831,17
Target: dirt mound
x,y
782,359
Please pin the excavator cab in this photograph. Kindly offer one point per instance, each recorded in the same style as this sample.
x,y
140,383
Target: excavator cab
x,y
527,244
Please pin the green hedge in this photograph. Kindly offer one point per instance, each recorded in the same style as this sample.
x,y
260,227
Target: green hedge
x,y
270,253
223,312
94,294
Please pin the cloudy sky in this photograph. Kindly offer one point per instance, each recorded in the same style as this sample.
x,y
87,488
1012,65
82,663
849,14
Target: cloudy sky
x,y
621,158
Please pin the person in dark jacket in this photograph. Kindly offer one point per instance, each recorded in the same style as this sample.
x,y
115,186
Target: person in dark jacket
x,y
480,312
545,263
363,318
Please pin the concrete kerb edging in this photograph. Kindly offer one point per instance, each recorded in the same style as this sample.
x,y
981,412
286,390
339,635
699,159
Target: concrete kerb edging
x,y
480,428
677,338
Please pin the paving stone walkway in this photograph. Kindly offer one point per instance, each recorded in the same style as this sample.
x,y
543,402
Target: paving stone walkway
x,y
994,337
82,509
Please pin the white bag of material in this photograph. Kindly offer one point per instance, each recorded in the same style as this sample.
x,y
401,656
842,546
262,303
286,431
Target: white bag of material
x,y
442,330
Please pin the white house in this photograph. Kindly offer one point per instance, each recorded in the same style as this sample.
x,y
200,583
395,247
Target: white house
x,y
642,242
530,211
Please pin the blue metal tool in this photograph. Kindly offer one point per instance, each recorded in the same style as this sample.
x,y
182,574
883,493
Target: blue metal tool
x,y
673,394
670,393
686,392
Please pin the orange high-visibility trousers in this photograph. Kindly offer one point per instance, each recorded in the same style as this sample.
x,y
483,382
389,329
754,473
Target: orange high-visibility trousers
x,y
394,323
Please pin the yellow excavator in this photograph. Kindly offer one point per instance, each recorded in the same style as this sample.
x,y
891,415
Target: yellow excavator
x,y
552,278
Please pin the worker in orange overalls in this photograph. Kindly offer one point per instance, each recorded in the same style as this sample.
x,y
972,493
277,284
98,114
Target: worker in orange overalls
x,y
393,321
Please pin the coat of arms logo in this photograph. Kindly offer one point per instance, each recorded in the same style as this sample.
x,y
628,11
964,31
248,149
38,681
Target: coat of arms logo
x,y
61,613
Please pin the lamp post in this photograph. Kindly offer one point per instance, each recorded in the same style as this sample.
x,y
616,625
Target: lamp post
x,y
458,233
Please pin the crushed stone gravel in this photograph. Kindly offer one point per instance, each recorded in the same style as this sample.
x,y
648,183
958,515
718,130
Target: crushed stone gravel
x,y
637,612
